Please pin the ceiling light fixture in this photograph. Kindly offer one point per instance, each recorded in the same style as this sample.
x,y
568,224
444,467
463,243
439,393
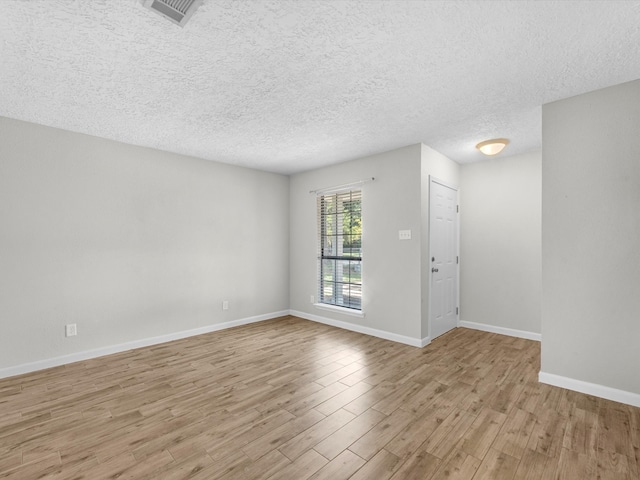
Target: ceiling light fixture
x,y
492,147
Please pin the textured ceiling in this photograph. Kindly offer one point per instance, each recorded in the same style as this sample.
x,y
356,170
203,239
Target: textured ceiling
x,y
291,85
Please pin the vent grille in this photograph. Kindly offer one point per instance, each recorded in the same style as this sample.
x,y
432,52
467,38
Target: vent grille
x,y
177,11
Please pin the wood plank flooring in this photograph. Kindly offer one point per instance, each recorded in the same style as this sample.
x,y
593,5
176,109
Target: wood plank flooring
x,y
292,399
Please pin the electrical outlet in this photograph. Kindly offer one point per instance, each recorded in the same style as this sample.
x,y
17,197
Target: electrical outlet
x,y
404,234
313,299
225,304
71,330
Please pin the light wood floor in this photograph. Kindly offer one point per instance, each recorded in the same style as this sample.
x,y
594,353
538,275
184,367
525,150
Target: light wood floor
x,y
291,399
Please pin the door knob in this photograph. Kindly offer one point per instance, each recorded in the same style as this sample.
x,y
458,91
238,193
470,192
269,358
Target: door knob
x,y
434,270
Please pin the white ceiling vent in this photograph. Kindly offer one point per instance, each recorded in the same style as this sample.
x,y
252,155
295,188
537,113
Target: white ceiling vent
x,y
177,11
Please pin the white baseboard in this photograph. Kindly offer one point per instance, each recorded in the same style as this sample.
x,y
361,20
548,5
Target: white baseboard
x,y
594,389
501,330
123,347
394,337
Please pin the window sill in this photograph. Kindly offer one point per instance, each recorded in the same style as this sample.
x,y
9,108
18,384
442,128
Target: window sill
x,y
333,308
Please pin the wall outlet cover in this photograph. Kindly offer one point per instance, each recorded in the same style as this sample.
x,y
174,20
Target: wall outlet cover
x,y
71,330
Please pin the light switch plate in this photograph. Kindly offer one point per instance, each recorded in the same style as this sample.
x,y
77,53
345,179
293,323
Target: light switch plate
x,y
404,234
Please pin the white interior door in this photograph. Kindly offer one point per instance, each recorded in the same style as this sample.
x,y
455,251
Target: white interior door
x,y
443,250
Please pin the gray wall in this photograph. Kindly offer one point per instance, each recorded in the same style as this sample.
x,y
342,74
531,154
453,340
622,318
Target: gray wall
x,y
591,237
500,253
395,277
391,267
129,243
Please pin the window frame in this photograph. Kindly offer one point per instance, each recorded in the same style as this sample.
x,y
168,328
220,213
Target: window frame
x,y
339,245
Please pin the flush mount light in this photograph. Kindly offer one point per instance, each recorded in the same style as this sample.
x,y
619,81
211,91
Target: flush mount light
x,y
492,147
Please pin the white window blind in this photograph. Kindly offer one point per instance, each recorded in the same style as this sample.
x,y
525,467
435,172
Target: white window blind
x,y
340,249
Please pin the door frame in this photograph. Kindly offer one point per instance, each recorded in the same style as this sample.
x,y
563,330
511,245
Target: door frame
x,y
432,180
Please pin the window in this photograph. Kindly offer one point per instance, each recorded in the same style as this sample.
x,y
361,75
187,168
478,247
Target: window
x,y
340,249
